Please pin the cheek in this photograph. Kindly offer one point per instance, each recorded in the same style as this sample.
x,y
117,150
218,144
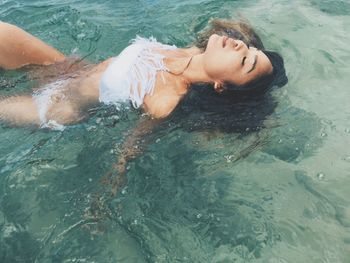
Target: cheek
x,y
222,68
213,61
214,68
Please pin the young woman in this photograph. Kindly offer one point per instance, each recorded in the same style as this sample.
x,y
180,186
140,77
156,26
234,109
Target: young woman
x,y
151,75
229,56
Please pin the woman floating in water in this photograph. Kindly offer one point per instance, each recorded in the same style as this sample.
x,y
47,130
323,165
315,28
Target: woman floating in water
x,y
150,75
153,76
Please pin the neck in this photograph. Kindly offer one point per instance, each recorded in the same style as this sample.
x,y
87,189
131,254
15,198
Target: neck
x,y
195,72
190,73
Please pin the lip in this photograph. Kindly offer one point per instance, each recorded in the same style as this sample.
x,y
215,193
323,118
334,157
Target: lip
x,y
224,40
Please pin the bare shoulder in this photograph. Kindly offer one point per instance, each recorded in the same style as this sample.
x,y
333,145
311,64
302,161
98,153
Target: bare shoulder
x,y
161,108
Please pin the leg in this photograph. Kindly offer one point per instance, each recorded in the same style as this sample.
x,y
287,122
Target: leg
x,y
21,110
24,110
19,48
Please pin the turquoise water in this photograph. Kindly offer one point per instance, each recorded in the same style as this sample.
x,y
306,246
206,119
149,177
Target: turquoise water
x,y
275,194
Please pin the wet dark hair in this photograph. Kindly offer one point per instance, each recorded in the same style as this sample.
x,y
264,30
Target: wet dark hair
x,y
242,30
239,110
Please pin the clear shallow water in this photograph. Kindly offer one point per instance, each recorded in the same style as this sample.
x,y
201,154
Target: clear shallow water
x,y
279,194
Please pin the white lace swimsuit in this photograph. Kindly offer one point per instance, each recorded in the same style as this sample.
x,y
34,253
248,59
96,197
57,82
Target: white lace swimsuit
x,y
130,76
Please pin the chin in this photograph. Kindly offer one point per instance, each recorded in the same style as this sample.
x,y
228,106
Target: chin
x,y
212,39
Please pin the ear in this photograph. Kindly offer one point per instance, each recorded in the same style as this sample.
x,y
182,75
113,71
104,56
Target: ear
x,y
219,87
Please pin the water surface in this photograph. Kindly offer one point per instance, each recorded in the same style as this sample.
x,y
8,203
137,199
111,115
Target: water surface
x,y
275,194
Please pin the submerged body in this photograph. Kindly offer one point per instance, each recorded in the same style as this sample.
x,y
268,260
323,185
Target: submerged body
x,y
133,75
152,75
138,75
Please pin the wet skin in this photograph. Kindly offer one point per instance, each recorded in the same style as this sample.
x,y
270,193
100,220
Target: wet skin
x,y
230,60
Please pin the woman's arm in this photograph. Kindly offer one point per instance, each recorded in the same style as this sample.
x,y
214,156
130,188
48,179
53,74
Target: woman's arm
x,y
132,147
19,48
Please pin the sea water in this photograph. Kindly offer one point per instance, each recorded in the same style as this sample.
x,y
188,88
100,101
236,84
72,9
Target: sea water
x,y
275,194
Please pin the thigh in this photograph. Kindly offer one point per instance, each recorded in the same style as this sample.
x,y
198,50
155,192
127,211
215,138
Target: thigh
x,y
19,110
19,48
63,111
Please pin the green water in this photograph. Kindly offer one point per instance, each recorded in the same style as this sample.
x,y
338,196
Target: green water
x,y
278,194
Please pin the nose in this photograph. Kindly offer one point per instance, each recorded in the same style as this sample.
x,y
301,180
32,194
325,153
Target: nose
x,y
238,44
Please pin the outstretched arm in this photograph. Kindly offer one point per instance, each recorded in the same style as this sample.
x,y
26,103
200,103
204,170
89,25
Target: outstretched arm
x,y
19,48
133,146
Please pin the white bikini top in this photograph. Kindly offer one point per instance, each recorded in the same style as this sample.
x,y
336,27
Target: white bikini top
x,y
132,74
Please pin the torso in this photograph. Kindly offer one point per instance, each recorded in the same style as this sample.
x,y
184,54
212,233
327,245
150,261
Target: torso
x,y
84,83
166,95
168,89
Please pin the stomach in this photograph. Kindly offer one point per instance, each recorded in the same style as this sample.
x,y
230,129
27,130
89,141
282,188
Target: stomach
x,y
66,91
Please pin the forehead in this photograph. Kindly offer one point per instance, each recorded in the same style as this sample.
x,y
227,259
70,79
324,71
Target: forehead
x,y
262,67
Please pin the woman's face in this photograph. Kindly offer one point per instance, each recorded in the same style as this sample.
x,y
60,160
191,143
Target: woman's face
x,y
229,60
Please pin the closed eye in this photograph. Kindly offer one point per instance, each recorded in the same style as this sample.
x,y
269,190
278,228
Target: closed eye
x,y
243,60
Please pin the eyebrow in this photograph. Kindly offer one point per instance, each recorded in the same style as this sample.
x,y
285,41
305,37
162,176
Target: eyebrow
x,y
254,64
